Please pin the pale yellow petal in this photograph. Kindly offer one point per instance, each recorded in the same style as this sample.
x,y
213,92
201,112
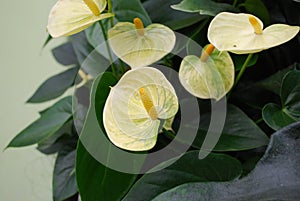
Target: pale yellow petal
x,y
211,79
124,140
125,118
137,50
68,17
233,32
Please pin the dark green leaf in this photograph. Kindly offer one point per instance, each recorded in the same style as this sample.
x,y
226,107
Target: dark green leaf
x,y
98,182
257,8
290,93
239,60
46,126
64,180
276,117
91,61
94,35
64,54
239,132
204,7
126,12
95,181
276,176
55,86
273,83
54,143
161,12
188,169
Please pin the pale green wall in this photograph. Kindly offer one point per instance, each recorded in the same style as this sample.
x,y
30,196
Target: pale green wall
x,y
25,174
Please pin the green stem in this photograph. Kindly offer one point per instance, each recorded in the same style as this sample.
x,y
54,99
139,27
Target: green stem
x,y
235,2
109,3
113,67
259,120
238,77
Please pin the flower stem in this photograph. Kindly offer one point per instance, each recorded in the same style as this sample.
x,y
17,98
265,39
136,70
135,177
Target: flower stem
x,y
238,77
235,2
113,67
109,3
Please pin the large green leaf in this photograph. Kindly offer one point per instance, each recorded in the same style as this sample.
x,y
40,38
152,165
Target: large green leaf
x,y
64,180
276,117
204,7
47,125
171,18
276,176
280,116
64,54
95,181
126,12
188,169
55,86
239,132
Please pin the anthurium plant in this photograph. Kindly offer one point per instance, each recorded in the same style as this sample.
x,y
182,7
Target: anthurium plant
x,y
172,100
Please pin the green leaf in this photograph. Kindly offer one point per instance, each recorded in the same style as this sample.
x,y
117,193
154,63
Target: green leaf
x,y
55,86
204,7
257,8
275,177
94,35
239,60
161,12
276,117
91,61
188,169
239,132
64,54
126,12
54,143
280,116
95,181
98,182
273,82
64,180
290,93
47,125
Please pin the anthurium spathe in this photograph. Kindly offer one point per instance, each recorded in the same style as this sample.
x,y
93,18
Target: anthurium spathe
x,y
69,17
136,107
138,45
210,76
243,33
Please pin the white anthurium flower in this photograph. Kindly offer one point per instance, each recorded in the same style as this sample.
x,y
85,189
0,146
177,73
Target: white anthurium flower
x,y
243,33
137,106
209,77
69,17
139,46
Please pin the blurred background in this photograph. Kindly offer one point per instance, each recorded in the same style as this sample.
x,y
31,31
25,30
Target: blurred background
x,y
25,174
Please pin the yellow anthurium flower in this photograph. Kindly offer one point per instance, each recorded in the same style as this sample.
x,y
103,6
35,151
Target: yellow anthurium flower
x,y
69,17
243,33
210,76
139,46
136,106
